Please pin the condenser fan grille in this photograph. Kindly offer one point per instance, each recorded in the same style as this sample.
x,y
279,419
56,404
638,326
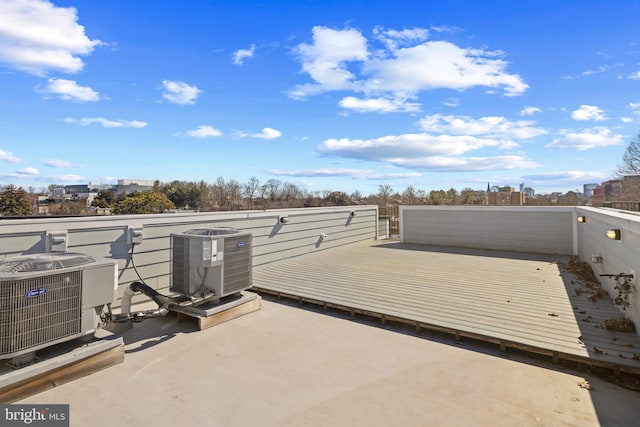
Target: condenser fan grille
x,y
237,267
39,310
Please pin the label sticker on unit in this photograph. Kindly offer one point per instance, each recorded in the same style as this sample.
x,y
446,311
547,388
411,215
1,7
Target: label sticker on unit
x,y
209,250
206,250
241,244
32,293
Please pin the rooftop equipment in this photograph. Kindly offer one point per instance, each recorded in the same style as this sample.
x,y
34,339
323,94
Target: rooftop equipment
x,y
50,298
209,261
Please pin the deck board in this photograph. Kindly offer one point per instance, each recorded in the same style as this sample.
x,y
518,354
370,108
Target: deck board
x,y
525,301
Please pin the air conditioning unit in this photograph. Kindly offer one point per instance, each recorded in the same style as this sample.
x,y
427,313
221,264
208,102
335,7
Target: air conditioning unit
x,y
211,260
50,298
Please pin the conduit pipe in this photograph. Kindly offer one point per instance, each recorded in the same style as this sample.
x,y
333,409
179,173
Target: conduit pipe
x,y
126,315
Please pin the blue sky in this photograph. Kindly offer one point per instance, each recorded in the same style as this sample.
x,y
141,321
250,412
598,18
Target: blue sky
x,y
338,95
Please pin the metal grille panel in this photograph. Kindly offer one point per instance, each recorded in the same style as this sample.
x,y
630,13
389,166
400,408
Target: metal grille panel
x,y
237,264
180,264
51,313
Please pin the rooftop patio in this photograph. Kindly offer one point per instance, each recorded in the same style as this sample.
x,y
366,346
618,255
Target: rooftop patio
x,y
516,300
494,278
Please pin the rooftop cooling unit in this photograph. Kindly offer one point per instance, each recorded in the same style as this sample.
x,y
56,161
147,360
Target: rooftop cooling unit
x,y
50,298
206,260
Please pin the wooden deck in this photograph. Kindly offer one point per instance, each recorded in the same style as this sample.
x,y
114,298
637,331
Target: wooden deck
x,y
523,301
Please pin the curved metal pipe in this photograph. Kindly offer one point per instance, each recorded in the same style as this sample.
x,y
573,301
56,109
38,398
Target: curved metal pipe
x,y
127,316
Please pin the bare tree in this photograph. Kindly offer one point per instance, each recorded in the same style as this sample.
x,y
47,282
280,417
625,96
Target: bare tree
x,y
631,159
272,189
290,192
385,191
357,196
410,197
233,190
219,194
250,190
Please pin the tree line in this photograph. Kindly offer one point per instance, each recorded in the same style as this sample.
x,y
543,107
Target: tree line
x,y
231,195
224,195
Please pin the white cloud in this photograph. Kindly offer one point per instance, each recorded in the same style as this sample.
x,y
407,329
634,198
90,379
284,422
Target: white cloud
x,y
634,109
404,66
321,172
28,171
588,139
57,163
442,65
34,175
445,145
67,178
106,123
635,76
325,60
467,163
379,105
7,156
394,38
204,132
529,111
600,69
241,54
391,176
451,102
37,37
588,112
491,126
567,175
69,90
394,147
566,178
180,92
344,172
445,29
267,133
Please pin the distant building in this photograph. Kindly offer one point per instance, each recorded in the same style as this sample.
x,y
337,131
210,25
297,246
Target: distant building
x,y
529,192
57,191
587,189
606,192
125,186
506,196
76,189
89,197
517,198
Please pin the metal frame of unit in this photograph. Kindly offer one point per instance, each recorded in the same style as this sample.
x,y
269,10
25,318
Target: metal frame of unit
x,y
211,260
51,298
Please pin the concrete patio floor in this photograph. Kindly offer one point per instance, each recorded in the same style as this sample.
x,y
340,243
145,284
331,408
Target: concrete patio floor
x,y
287,366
